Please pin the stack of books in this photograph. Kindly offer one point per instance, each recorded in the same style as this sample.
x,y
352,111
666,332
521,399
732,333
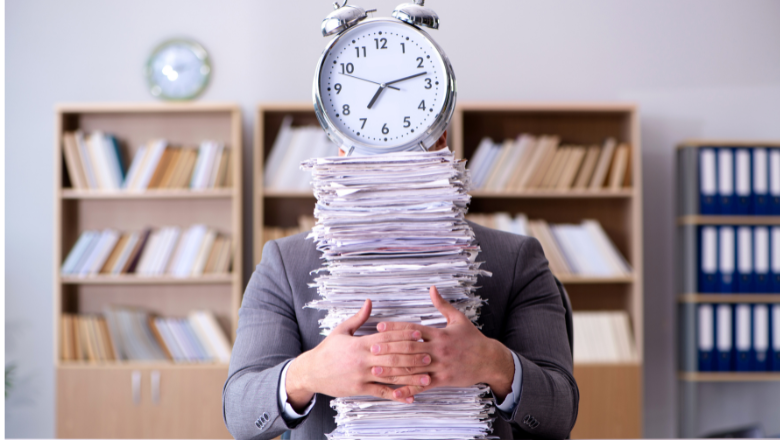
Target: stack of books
x,y
738,337
603,337
198,250
571,249
125,334
541,163
94,162
292,146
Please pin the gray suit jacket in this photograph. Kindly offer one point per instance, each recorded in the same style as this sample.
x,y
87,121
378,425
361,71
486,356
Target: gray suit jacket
x,y
524,311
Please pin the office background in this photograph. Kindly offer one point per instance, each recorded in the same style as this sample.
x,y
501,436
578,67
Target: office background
x,y
695,68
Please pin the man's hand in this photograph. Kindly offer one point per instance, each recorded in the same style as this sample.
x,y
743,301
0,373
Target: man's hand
x,y
462,355
342,364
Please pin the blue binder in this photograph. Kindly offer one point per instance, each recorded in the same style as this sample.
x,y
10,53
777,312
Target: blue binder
x,y
708,182
727,259
745,259
726,181
708,260
760,181
760,361
743,341
774,337
705,340
774,259
774,181
742,182
724,337
761,246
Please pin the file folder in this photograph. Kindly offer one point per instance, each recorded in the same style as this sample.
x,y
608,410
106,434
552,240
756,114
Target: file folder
x,y
742,186
774,337
760,182
726,259
726,181
724,336
708,183
774,258
760,360
744,259
742,337
761,276
708,256
706,338
774,181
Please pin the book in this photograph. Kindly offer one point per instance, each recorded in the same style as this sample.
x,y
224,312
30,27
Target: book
x,y
742,181
726,181
556,167
585,174
617,174
85,160
603,337
708,182
572,166
602,165
546,158
73,163
530,144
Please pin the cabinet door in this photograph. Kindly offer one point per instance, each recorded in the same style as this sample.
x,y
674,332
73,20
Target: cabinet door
x,y
99,403
185,402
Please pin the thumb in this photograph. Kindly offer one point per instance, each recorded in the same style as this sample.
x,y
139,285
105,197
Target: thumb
x,y
452,314
350,326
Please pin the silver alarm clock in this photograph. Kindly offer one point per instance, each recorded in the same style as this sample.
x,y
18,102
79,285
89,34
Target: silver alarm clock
x,y
383,85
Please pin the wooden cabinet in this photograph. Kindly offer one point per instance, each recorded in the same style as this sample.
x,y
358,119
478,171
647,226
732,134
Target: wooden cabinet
x,y
145,402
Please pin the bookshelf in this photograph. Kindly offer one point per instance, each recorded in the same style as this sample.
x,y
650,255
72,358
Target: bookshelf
x,y
134,399
690,293
610,394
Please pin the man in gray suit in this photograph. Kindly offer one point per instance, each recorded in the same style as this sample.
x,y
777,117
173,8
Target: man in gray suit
x,y
283,373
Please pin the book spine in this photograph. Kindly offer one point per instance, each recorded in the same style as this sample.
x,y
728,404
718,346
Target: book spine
x,y
687,181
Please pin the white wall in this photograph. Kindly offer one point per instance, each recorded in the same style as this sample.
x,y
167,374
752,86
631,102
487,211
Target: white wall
x,y
696,68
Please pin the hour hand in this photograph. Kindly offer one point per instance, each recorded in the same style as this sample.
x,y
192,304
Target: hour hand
x,y
368,80
376,95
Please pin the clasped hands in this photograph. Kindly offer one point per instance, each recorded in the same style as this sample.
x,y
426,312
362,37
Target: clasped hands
x,y
401,360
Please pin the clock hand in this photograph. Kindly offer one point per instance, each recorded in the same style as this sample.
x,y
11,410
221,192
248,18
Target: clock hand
x,y
376,96
367,80
404,79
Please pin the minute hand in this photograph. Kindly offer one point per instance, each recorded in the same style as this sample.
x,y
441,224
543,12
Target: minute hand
x,y
408,77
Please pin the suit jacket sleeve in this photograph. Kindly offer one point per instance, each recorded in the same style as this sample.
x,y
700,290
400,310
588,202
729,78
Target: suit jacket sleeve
x,y
535,329
267,338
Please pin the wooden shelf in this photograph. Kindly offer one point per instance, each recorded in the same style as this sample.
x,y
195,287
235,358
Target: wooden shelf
x,y
729,220
752,376
579,279
729,298
697,143
272,193
145,365
74,194
141,280
556,194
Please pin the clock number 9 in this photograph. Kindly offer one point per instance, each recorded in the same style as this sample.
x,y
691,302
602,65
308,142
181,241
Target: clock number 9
x,y
345,110
407,122
349,68
385,130
428,83
338,88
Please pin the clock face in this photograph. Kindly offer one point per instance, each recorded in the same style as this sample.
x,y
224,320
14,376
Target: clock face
x,y
178,69
383,84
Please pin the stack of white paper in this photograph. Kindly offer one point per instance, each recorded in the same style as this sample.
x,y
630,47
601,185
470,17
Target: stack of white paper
x,y
390,227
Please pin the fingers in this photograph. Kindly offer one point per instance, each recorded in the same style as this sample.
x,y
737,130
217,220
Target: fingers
x,y
426,332
399,371
406,394
452,314
383,392
350,326
404,347
414,379
393,336
400,360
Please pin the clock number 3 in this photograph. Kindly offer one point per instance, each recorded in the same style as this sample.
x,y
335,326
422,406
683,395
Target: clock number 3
x,y
428,83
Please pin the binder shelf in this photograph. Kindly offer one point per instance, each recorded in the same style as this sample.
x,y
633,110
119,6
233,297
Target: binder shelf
x,y
728,238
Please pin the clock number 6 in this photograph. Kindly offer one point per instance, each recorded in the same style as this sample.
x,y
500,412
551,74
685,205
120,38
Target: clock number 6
x,y
407,122
345,110
385,130
349,68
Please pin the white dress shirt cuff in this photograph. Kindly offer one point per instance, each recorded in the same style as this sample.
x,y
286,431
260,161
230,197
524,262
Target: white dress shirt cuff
x,y
513,398
288,412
